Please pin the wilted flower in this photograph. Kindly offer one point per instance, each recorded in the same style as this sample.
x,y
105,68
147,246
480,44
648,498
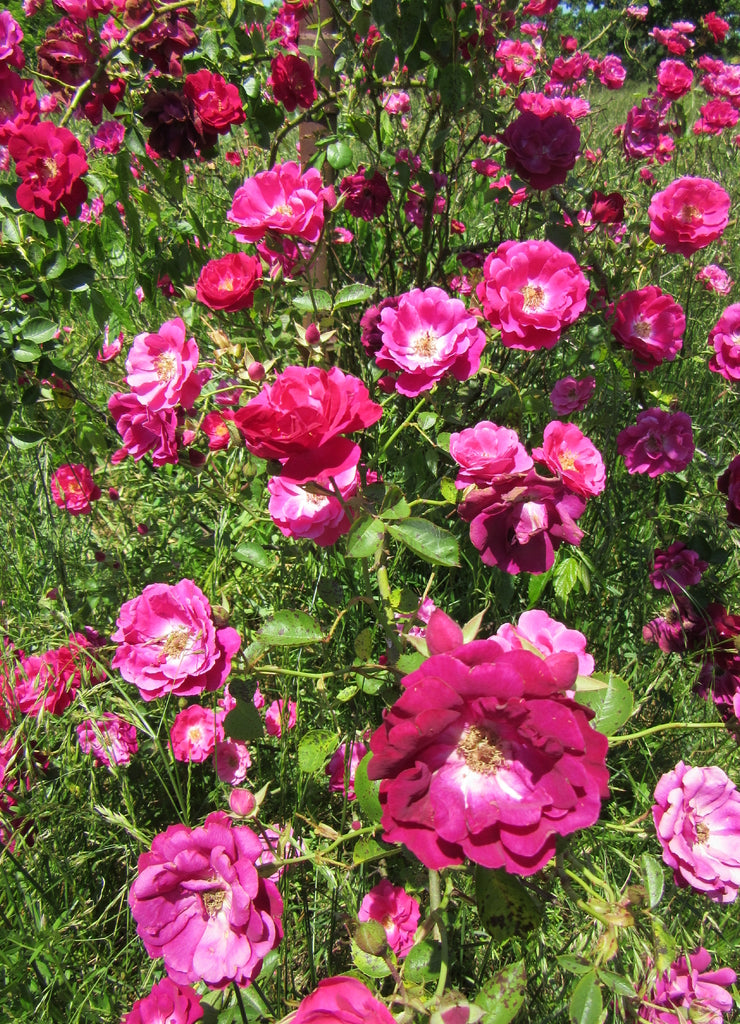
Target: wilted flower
x,y
336,768
73,488
676,568
660,442
167,1003
110,739
689,991
571,395
398,913
365,197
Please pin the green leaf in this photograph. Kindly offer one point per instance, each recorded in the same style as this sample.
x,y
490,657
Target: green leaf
x,y
339,154
586,1004
254,554
364,644
619,985
366,791
228,7
366,849
505,906
366,537
428,541
289,629
53,265
409,662
535,587
369,965
385,58
23,438
315,748
448,490
320,303
395,506
39,330
26,353
77,278
652,876
664,946
423,962
565,576
503,995
243,722
353,295
613,706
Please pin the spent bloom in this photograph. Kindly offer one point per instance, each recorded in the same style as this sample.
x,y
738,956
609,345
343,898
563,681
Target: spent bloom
x,y
725,340
365,196
542,149
167,1003
398,913
688,215
168,643
485,452
162,368
336,768
342,1000
568,453
650,324
688,990
110,739
660,442
676,568
199,903
571,395
73,489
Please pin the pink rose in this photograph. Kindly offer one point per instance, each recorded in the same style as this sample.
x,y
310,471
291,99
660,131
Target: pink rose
x,y
49,681
342,1000
517,59
230,282
398,913
142,430
676,568
340,768
487,452
162,368
292,81
231,759
281,201
217,102
688,215
109,137
194,733
20,106
531,291
169,644
611,72
571,395
73,488
674,79
715,117
199,903
660,442
279,715
725,340
168,1002
715,279
650,324
548,636
729,485
51,163
689,991
111,739
570,455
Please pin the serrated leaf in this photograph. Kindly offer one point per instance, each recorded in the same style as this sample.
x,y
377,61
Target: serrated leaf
x,y
365,539
503,995
289,629
353,295
369,965
320,303
409,662
253,554
314,750
243,721
347,693
366,848
39,330
613,705
366,791
565,576
430,542
76,279
505,906
536,586
448,490
586,1003
423,962
652,876
26,353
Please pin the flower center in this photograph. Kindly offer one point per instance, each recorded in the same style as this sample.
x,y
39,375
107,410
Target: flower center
x,y
424,345
702,833
641,328
213,901
51,165
534,297
166,366
226,284
567,460
480,750
176,642
283,208
316,500
689,213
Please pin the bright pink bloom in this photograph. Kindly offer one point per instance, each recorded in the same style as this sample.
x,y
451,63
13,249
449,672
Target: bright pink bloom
x,y
517,59
650,324
169,644
194,732
73,488
611,72
167,1003
342,1000
542,150
689,991
486,452
689,215
49,682
304,408
278,715
336,768
729,485
162,368
109,137
674,79
214,426
242,802
426,337
715,117
725,340
110,349
281,201
715,279
568,453
110,739
483,756
142,430
398,912
645,128
199,903
676,568
716,25
11,36
51,162
365,197
292,81
571,395
231,759
396,103
531,291
230,282
548,636
660,442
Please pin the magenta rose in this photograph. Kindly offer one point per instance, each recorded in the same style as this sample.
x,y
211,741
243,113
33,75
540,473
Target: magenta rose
x,y
715,279
167,1002
725,340
548,636
194,733
168,643
729,485
342,1000
302,409
51,163
229,283
697,819
217,102
568,453
302,509
280,714
660,442
110,739
282,201
650,324
292,81
426,337
73,489
486,453
674,79
715,117
676,568
341,772
19,105
571,395
611,72
162,368
689,215
365,197
483,756
542,149
689,991
199,903
49,681
399,913
143,430
11,37
531,291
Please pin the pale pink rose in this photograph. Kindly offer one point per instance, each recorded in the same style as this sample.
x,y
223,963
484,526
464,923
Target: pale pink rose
x,y
688,991
660,442
399,913
548,636
485,452
142,430
278,716
571,395
396,103
568,453
336,768
715,279
231,759
697,819
342,1000
167,642
674,79
162,368
689,215
167,1003
428,336
650,324
199,903
194,732
281,201
676,568
725,340
531,291
111,739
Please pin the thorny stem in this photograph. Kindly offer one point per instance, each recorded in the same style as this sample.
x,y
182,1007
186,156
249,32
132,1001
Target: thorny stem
x,y
403,426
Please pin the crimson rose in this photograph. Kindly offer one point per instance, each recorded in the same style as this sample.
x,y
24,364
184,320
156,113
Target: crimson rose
x,y
216,101
229,283
51,163
542,149
292,81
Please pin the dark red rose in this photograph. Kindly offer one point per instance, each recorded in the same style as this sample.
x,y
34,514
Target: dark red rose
x,y
177,130
166,39
607,209
229,283
70,55
729,485
19,104
292,81
542,149
217,101
365,197
81,10
51,163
